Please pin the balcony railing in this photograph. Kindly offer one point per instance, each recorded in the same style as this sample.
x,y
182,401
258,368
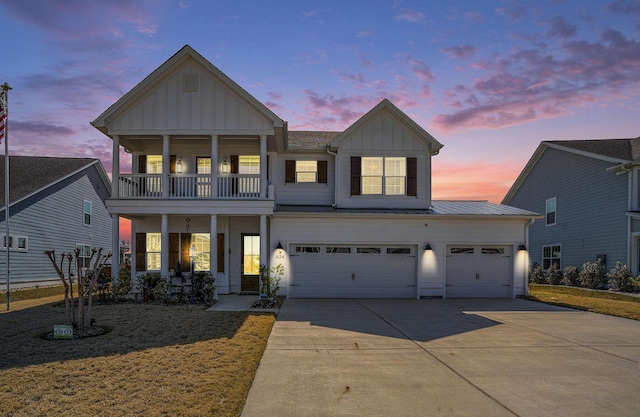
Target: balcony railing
x,y
189,186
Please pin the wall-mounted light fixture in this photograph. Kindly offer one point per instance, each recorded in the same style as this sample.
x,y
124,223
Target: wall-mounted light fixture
x,y
522,247
225,166
428,246
179,166
279,246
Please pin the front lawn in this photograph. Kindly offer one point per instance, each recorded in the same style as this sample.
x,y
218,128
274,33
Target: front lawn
x,y
613,304
156,361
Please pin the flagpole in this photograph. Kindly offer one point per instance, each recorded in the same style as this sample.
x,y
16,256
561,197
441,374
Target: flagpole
x,y
7,241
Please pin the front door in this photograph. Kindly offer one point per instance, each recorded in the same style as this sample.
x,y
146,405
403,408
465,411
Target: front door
x,y
250,274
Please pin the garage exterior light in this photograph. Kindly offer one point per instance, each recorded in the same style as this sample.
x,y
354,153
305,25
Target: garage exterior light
x,y
428,247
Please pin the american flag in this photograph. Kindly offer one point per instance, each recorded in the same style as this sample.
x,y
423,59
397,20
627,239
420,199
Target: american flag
x,y
3,113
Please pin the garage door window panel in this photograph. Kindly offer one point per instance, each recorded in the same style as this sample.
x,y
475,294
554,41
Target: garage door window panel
x,y
462,251
307,249
399,251
493,251
369,251
338,249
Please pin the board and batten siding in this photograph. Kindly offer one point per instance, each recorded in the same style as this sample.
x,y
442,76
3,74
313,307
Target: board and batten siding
x,y
213,106
591,206
54,219
303,193
384,135
393,230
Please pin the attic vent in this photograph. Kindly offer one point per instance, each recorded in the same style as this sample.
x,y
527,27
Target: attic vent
x,y
190,83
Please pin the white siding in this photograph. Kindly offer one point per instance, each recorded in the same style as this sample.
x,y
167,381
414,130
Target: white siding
x,y
213,107
303,193
438,232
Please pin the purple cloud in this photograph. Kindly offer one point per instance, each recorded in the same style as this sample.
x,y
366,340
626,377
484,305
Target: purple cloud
x,y
559,27
39,129
512,12
459,52
530,84
624,6
410,16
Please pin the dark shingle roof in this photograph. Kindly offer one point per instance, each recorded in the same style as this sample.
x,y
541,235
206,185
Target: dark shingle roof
x,y
627,149
28,174
306,139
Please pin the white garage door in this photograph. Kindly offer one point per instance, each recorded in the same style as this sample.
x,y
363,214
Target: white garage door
x,y
479,271
352,271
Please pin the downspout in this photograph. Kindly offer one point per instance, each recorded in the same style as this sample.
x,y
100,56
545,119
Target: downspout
x,y
335,178
526,266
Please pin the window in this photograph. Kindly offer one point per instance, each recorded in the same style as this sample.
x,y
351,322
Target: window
x,y
16,243
338,249
384,175
307,249
551,211
493,251
203,165
202,260
369,250
399,251
249,164
154,245
467,251
551,255
85,255
87,212
154,164
306,171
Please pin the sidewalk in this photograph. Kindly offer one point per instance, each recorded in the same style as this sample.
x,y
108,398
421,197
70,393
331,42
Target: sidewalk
x,y
235,302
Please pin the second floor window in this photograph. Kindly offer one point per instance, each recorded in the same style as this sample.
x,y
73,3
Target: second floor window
x,y
306,171
384,175
551,211
154,164
87,212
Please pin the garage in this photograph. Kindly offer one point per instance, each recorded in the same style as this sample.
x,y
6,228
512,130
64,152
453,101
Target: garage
x,y
352,271
474,271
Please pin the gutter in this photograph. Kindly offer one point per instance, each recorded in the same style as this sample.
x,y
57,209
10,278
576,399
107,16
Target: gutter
x,y
335,168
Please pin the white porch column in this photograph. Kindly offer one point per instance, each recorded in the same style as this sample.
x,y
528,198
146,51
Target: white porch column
x,y
214,168
115,247
115,168
166,166
263,166
164,246
264,256
213,250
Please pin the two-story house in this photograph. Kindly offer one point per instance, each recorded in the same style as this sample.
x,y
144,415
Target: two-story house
x,y
589,191
54,204
219,179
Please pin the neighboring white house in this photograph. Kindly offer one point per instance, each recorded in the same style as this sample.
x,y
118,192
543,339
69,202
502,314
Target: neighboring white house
x,y
348,214
55,204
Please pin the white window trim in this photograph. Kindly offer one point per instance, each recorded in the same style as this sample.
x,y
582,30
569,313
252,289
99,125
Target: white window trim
x,y
555,215
383,178
300,171
551,246
13,239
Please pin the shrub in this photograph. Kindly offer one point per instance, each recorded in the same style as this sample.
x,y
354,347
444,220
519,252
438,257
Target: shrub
x,y
553,275
153,287
535,274
270,280
123,286
591,275
620,278
570,276
204,285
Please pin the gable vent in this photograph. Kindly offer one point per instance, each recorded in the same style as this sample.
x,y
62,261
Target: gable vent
x,y
190,83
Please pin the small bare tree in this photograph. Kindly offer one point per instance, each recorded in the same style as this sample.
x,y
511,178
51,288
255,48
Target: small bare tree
x,y
87,277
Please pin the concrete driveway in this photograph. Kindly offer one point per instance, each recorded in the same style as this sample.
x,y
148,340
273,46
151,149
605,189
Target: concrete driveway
x,y
486,358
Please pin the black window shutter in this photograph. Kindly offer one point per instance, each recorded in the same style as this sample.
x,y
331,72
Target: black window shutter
x,y
289,171
356,169
141,251
412,177
142,164
322,172
235,164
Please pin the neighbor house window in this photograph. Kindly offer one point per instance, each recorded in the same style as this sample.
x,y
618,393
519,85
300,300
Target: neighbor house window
x,y
84,254
87,212
551,255
16,243
383,176
551,211
154,245
202,243
305,171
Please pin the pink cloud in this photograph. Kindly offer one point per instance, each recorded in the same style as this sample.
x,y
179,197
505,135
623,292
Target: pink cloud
x,y
410,16
530,84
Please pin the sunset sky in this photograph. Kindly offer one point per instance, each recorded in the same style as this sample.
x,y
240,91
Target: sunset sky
x,y
488,79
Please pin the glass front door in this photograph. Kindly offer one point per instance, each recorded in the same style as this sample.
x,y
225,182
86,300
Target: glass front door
x,y
250,274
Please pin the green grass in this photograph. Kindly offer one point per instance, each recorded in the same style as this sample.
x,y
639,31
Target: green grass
x,y
32,293
156,361
610,303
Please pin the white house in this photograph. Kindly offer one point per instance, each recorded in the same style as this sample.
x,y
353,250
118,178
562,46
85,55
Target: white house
x,y
348,214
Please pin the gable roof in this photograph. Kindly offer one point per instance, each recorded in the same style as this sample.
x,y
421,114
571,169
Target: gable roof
x,y
434,145
30,174
616,151
129,99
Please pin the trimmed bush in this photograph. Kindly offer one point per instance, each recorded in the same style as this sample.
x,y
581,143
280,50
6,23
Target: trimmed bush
x,y
153,287
204,287
570,276
592,276
536,275
553,275
620,278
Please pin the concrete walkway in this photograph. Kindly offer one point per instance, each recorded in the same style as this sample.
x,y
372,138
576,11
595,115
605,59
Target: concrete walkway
x,y
446,358
235,302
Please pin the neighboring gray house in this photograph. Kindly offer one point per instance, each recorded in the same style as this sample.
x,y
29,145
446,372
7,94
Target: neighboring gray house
x,y
55,203
589,193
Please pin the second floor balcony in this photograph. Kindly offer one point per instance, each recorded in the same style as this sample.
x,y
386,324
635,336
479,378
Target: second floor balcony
x,y
189,186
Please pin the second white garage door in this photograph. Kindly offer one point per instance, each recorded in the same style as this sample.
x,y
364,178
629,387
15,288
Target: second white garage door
x,y
479,271
352,271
